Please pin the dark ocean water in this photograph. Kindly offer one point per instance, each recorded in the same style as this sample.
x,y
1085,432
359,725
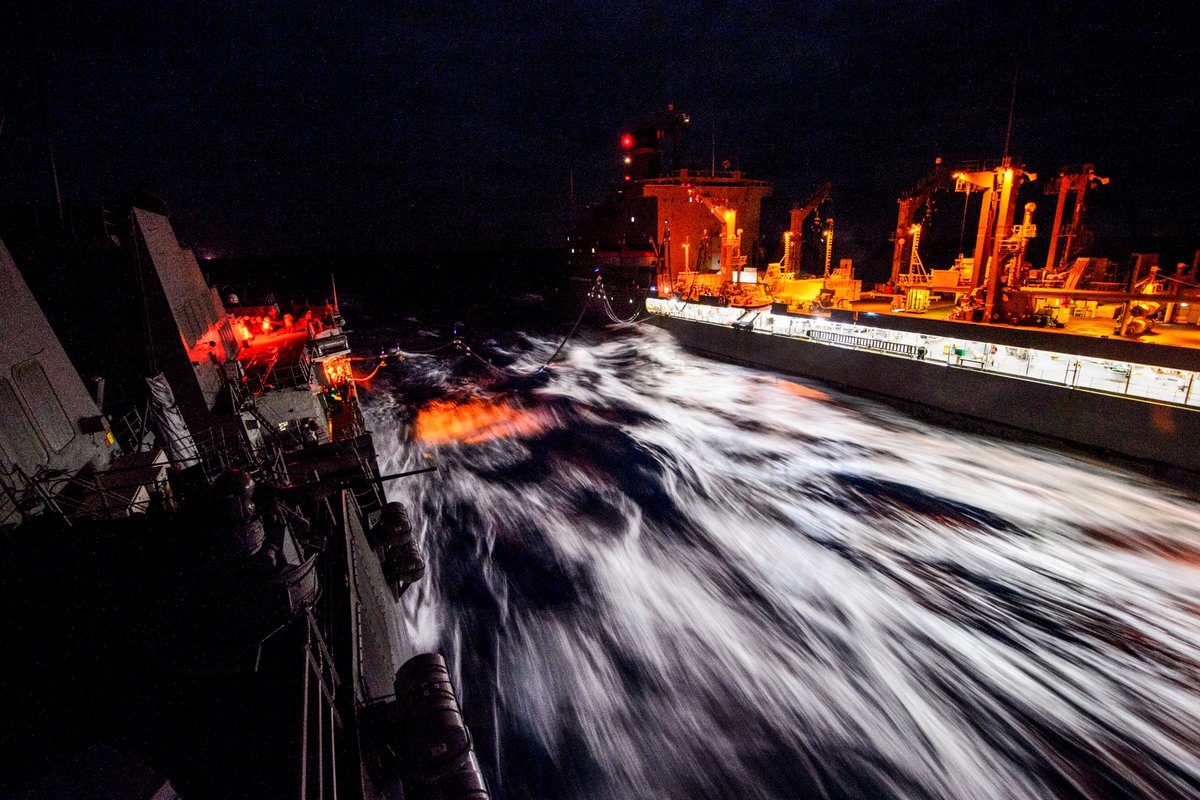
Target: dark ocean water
x,y
662,576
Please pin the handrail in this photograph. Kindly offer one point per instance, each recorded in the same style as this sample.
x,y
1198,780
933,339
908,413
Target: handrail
x,y
1180,393
76,497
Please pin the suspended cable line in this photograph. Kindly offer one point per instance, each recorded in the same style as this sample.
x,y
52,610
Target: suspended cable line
x,y
571,333
608,307
428,352
597,293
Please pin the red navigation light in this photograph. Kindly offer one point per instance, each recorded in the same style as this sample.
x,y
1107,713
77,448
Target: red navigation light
x,y
627,140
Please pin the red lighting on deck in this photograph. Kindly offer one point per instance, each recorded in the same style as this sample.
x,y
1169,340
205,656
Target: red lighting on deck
x,y
337,371
627,140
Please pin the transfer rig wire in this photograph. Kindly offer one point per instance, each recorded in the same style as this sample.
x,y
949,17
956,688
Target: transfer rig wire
x,y
597,293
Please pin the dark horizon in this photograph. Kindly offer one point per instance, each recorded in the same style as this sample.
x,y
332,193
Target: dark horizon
x,y
275,132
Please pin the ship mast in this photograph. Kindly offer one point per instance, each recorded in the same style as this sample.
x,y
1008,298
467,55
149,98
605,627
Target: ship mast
x,y
1012,107
44,109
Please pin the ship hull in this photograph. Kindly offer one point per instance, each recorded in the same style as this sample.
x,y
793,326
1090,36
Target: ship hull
x,y
1151,434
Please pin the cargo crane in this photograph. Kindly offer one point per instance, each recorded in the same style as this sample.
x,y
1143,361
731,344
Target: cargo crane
x,y
1078,180
920,195
793,239
731,235
783,280
997,240
692,284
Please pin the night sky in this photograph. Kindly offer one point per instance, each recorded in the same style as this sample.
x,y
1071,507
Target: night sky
x,y
302,128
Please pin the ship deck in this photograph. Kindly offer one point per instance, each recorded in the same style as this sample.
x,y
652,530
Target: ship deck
x,y
1100,325
274,360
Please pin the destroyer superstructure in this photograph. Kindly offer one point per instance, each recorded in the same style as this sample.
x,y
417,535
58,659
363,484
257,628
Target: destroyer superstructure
x,y
200,588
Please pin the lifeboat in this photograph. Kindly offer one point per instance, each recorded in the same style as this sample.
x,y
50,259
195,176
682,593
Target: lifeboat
x,y
399,555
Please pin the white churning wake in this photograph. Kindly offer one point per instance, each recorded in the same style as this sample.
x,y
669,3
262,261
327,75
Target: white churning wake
x,y
662,576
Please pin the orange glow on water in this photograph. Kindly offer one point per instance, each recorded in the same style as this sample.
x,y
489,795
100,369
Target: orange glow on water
x,y
1149,544
474,421
798,390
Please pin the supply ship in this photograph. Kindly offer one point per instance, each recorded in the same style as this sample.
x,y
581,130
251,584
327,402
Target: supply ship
x,y
1082,351
201,572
